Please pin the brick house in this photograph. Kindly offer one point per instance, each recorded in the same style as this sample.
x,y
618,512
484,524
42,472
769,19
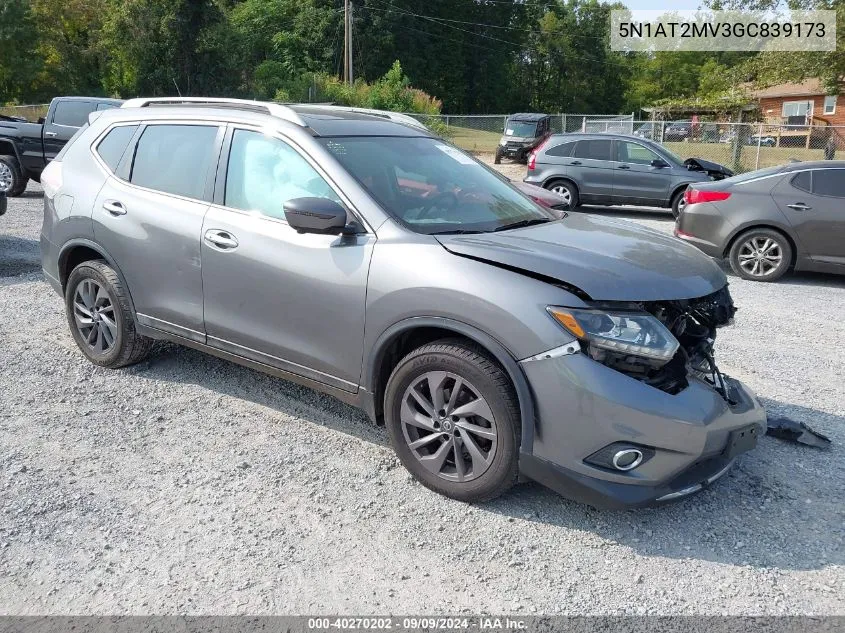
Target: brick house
x,y
803,104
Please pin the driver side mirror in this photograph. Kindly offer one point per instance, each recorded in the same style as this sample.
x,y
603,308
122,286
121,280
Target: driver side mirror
x,y
315,215
659,162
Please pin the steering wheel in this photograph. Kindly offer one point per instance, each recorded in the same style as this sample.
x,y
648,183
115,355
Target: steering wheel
x,y
431,203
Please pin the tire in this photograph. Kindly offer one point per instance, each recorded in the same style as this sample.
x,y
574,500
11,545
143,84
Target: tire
x,y
484,388
566,189
498,159
95,288
678,203
12,180
745,249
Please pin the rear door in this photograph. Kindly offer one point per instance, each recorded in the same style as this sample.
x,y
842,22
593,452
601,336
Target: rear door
x,y
814,202
636,181
592,166
149,216
66,118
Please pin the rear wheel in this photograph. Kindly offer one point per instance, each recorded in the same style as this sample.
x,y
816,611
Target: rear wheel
x,y
761,255
678,203
566,190
12,180
100,317
453,420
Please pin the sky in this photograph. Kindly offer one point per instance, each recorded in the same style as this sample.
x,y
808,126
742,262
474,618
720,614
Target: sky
x,y
667,5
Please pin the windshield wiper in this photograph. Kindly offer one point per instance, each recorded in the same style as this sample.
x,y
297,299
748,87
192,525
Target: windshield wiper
x,y
456,232
521,224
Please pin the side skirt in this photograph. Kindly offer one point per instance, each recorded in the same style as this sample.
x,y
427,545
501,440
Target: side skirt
x,y
363,399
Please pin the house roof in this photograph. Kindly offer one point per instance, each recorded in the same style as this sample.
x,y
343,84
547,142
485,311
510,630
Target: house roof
x,y
807,88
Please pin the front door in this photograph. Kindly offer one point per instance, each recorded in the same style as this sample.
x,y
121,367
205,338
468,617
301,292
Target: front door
x,y
289,300
148,216
636,181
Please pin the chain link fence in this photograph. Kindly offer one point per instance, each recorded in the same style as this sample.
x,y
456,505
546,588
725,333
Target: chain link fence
x,y
482,132
28,112
745,146
739,146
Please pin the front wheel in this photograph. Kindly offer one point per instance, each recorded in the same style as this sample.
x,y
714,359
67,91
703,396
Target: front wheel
x,y
453,419
761,255
497,160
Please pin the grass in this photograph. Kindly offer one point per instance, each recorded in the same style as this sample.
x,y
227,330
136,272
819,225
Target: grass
x,y
483,141
31,113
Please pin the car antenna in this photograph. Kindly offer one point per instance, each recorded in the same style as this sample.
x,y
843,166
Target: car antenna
x,y
179,92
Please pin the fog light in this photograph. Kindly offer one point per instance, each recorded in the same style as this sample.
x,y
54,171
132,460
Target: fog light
x,y
620,456
627,459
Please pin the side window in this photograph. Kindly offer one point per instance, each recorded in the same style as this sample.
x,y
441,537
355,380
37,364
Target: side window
x,y
829,182
564,149
111,148
802,180
594,150
634,153
264,173
72,113
174,159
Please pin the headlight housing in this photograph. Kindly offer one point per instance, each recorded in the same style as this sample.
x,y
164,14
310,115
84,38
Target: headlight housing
x,y
628,333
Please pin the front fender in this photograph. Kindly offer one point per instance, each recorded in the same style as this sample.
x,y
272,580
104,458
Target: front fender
x,y
502,355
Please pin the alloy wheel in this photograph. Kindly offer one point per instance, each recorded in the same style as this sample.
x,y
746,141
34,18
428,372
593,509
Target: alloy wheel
x,y
448,426
564,192
93,313
760,256
6,177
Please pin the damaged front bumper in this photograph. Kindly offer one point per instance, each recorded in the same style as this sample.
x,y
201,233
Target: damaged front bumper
x,y
690,439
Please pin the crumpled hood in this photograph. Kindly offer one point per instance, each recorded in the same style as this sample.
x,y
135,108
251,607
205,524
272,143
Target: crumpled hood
x,y
711,168
609,260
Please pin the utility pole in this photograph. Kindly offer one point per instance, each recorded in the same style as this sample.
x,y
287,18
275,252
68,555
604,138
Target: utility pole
x,y
348,75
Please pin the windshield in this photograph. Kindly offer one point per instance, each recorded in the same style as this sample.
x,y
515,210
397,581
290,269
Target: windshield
x,y
432,187
671,155
521,128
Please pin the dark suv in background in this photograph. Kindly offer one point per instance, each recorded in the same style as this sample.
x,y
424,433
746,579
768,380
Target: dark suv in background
x,y
609,169
523,133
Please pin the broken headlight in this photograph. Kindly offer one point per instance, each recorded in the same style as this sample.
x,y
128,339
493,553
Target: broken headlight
x,y
636,334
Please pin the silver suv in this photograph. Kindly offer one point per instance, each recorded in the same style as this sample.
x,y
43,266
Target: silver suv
x,y
366,258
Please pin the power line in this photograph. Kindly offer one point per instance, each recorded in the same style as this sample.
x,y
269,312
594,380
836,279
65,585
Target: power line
x,y
515,44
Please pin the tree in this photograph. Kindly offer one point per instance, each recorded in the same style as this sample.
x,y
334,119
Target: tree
x,y
18,58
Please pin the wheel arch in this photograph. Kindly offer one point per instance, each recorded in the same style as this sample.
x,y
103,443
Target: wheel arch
x,y
79,251
402,337
5,144
552,179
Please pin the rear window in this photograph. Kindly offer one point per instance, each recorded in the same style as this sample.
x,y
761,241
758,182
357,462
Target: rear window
x,y
803,181
829,182
564,149
174,159
72,113
111,148
594,150
752,175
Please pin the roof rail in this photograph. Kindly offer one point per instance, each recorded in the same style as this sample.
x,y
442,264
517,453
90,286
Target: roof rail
x,y
396,117
273,109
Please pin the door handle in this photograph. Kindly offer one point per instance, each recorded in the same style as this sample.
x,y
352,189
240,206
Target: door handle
x,y
799,206
575,162
624,167
51,134
221,239
114,207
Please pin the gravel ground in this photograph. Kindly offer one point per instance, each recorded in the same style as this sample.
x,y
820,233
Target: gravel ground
x,y
190,485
